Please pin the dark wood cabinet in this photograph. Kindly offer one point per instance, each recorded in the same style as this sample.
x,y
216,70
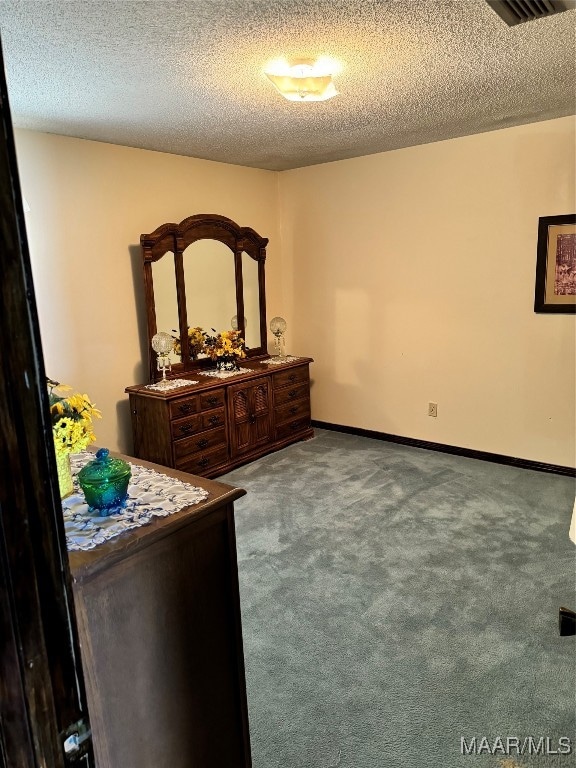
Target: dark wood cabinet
x,y
250,416
160,633
217,424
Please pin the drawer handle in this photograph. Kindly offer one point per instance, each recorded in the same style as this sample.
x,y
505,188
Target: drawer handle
x,y
292,377
295,425
213,400
203,462
186,428
293,393
185,407
252,419
293,410
214,420
202,443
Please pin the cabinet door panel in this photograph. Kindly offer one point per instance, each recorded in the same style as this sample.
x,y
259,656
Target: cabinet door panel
x,y
242,438
240,404
250,424
261,398
262,427
261,431
239,423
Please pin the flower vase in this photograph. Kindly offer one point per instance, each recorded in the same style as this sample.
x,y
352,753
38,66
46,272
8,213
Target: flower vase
x,y
227,363
64,474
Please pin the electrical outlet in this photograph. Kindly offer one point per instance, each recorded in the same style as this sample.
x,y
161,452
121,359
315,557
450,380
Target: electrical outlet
x,y
433,409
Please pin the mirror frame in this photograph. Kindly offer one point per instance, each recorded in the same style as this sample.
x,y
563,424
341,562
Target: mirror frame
x,y
174,239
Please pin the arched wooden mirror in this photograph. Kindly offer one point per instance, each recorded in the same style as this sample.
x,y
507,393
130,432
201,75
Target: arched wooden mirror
x,y
205,272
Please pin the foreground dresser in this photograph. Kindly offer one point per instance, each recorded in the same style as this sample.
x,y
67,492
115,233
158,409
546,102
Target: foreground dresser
x,y
218,424
159,622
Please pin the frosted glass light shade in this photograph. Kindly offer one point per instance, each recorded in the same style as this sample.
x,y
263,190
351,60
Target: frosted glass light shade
x,y
162,343
304,80
278,326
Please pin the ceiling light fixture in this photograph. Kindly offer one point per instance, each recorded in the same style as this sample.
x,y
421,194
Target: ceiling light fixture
x,y
302,79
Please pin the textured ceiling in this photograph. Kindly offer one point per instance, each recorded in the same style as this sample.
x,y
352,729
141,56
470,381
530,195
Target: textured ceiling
x,y
187,77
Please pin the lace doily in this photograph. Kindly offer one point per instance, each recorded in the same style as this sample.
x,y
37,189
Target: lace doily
x,y
170,384
150,494
280,360
225,374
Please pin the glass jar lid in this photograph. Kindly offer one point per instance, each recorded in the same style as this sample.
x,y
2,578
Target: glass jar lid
x,y
104,468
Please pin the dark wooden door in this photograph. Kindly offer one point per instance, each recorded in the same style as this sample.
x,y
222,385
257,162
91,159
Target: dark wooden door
x,y
41,683
250,415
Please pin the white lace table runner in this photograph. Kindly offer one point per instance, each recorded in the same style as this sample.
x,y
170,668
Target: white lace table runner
x,y
150,494
280,360
225,374
170,384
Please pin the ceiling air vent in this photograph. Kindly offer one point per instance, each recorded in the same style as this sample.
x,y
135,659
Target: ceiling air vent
x,y
517,11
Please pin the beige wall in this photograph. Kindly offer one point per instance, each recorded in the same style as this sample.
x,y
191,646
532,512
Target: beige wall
x,y
409,277
89,203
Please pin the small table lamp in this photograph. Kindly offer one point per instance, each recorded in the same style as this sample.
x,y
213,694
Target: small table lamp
x,y
278,328
163,344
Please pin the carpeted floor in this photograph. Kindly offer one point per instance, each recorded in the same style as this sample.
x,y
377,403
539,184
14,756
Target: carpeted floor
x,y
397,600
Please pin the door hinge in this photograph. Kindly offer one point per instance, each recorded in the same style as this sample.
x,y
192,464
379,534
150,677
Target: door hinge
x,y
77,741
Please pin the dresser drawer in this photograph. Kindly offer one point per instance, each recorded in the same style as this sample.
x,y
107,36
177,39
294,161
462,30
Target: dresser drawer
x,y
214,399
184,450
203,462
292,411
212,419
291,376
290,394
184,427
184,406
291,428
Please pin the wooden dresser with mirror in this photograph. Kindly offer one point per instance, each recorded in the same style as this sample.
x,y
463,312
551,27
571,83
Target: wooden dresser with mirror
x,y
208,272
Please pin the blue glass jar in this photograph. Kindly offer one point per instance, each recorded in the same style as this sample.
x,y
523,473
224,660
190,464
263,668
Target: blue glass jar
x,y
105,483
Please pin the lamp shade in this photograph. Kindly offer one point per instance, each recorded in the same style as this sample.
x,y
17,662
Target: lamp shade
x,y
162,343
278,326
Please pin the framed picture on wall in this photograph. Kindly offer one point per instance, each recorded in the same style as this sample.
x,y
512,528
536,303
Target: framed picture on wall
x,y
556,264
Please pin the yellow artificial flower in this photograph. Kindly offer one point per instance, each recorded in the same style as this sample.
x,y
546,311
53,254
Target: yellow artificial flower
x,y
225,344
71,418
61,390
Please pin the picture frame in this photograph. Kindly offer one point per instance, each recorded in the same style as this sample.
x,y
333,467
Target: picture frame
x,y
555,289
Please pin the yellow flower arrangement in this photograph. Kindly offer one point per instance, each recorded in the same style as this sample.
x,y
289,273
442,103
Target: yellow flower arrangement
x,y
195,342
224,344
72,416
